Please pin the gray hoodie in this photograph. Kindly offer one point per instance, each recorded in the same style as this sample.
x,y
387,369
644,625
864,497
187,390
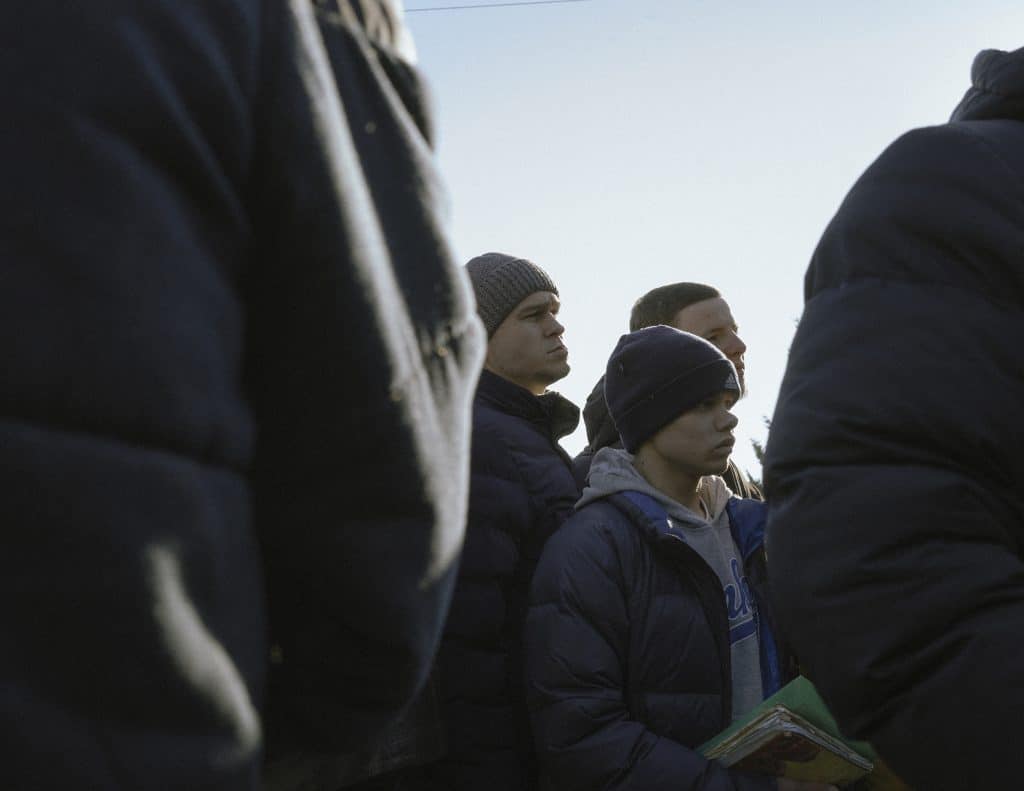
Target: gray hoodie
x,y
612,471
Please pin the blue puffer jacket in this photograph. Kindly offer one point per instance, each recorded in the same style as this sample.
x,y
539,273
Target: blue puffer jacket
x,y
521,489
627,642
894,463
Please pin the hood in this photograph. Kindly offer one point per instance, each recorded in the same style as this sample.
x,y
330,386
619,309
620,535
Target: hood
x,y
997,88
613,472
601,431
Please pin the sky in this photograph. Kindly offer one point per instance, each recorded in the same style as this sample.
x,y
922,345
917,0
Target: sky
x,y
626,144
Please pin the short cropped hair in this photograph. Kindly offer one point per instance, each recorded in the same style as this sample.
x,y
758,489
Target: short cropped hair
x,y
661,305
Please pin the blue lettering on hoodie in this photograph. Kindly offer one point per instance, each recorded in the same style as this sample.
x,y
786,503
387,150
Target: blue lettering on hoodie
x,y
738,602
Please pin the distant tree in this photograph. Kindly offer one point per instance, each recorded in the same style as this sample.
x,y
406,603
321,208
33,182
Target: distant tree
x,y
759,453
759,446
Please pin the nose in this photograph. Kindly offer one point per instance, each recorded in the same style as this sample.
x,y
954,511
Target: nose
x,y
554,327
728,422
735,347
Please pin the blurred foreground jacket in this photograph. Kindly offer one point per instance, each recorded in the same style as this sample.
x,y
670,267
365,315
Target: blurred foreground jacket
x,y
894,467
228,318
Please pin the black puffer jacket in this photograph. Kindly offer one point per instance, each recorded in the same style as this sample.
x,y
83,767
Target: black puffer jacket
x,y
894,468
628,658
210,327
521,490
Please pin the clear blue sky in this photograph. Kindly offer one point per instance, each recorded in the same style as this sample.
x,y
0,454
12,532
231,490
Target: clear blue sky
x,y
625,144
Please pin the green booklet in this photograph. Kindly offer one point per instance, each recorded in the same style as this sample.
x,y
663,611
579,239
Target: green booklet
x,y
793,734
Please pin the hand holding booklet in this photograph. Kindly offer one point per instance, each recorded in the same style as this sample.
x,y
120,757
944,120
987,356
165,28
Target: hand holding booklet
x,y
792,734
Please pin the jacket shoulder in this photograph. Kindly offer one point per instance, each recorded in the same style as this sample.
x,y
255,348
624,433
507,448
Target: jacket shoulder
x,y
597,539
942,205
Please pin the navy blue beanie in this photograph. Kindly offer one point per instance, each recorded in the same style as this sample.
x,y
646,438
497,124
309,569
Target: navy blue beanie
x,y
658,373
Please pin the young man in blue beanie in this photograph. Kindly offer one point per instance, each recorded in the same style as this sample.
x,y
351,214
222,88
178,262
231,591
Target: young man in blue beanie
x,y
649,630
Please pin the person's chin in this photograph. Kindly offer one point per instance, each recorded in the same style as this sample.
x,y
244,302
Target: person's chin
x,y
719,460
557,369
718,468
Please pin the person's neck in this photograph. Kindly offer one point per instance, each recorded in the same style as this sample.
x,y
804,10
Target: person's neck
x,y
533,388
680,485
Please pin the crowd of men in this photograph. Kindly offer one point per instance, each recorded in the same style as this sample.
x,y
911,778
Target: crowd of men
x,y
285,505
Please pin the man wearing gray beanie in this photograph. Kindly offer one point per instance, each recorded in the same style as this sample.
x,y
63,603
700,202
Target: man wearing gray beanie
x,y
521,489
648,629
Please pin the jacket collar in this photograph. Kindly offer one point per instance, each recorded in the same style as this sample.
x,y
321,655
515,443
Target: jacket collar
x,y
552,412
746,520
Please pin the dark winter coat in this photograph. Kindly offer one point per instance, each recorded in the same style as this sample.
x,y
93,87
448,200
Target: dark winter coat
x,y
601,433
894,465
226,310
521,490
628,658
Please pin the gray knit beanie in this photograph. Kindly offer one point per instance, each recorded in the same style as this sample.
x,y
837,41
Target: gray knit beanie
x,y
501,282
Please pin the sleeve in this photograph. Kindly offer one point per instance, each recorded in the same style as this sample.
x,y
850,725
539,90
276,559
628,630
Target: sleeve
x,y
892,467
363,352
577,642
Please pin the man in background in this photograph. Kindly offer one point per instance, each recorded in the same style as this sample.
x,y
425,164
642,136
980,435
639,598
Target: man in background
x,y
229,318
690,307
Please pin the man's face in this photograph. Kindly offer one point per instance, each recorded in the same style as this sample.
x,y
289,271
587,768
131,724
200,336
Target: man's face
x,y
699,441
527,347
712,320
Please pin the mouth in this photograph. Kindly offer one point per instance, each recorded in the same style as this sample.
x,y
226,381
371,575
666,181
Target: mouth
x,y
560,350
726,445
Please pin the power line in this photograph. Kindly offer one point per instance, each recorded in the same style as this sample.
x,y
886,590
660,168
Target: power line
x,y
492,5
